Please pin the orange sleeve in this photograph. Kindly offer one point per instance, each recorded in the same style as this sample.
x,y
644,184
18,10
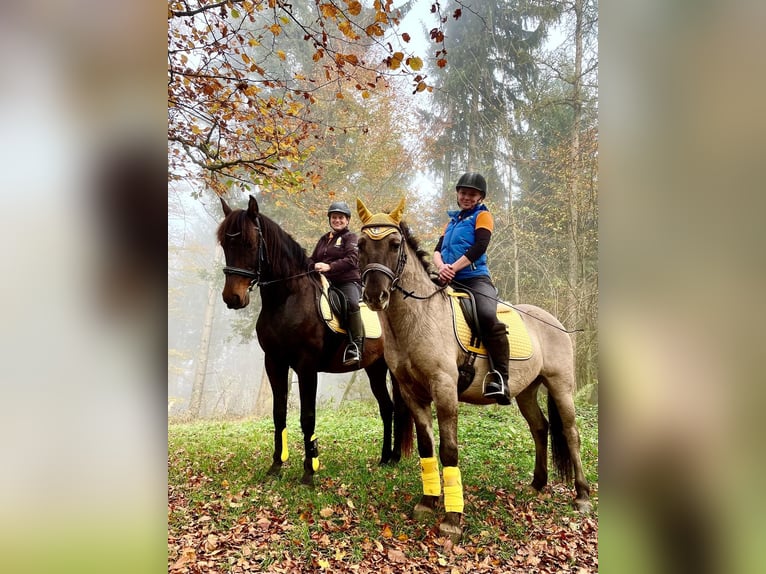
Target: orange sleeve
x,y
485,221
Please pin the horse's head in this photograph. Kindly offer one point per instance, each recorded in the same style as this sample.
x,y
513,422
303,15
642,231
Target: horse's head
x,y
241,242
382,254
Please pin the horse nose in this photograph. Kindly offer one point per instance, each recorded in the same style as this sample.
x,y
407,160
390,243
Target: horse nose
x,y
232,301
376,303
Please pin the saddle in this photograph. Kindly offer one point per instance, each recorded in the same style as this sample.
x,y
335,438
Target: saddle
x,y
467,332
466,326
333,308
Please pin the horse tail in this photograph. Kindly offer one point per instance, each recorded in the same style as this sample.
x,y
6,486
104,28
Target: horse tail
x,y
562,457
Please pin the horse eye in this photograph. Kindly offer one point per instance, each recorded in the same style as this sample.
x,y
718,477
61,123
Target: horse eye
x,y
395,244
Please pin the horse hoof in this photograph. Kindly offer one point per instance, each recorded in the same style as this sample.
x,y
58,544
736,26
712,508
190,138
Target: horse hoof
x,y
452,531
422,513
583,506
274,472
308,480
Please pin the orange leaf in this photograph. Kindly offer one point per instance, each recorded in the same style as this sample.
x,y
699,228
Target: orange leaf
x,y
387,532
328,10
374,30
354,8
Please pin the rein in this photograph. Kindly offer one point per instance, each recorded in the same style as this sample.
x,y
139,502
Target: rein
x,y
401,261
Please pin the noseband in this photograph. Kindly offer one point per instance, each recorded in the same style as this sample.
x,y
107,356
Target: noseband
x,y
254,276
401,260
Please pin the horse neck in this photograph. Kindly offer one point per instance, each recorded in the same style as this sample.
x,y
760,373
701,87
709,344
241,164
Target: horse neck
x,y
406,313
287,263
286,256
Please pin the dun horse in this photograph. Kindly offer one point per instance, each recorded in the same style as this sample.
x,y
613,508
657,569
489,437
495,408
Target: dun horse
x,y
423,353
293,335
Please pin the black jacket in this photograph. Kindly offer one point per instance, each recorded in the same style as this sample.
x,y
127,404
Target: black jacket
x,y
340,251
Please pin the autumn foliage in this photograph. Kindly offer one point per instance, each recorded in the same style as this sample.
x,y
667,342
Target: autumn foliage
x,y
244,75
225,515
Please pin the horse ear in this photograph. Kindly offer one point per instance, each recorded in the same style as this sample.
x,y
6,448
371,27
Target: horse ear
x,y
226,208
397,213
252,208
361,209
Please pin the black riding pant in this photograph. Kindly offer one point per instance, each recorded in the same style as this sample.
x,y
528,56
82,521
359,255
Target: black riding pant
x,y
485,295
353,293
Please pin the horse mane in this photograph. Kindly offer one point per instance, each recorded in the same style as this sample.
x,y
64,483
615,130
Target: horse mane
x,y
412,241
284,254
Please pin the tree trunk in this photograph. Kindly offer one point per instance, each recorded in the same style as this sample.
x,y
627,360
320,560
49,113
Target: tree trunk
x,y
349,385
198,387
574,262
263,404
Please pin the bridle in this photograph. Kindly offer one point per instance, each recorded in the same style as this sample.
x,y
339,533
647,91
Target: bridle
x,y
254,276
401,260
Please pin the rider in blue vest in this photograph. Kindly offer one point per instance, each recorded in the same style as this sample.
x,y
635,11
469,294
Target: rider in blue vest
x,y
461,256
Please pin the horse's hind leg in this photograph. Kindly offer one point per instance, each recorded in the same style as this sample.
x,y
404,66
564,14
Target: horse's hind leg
x,y
376,373
538,426
277,373
402,423
565,441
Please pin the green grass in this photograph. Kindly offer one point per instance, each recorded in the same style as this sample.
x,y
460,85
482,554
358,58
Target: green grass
x,y
218,487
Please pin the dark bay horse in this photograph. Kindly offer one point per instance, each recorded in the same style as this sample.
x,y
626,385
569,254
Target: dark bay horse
x,y
293,335
423,353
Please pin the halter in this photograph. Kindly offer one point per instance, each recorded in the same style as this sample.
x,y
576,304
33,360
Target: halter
x,y
254,276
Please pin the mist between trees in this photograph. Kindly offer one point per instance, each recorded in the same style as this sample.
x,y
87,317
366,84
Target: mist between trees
x,y
304,105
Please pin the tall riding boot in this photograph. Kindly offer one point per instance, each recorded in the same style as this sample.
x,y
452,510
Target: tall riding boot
x,y
355,327
496,381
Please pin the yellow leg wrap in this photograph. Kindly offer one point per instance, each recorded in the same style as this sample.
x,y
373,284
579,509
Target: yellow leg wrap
x,y
284,454
430,474
315,459
453,489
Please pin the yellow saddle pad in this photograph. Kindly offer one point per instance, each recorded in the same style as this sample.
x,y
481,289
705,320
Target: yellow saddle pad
x,y
518,338
372,329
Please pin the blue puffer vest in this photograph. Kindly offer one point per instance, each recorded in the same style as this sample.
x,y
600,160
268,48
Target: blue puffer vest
x,y
459,236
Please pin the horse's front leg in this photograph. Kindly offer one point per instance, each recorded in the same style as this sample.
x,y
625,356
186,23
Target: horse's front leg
x,y
277,373
429,467
445,398
307,383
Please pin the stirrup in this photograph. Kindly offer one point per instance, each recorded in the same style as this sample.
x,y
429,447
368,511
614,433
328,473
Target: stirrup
x,y
351,355
495,388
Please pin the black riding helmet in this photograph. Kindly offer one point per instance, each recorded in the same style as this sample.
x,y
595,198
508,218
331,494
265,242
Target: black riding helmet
x,y
339,207
474,181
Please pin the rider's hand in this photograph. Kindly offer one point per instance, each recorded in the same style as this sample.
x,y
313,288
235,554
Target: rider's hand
x,y
446,273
